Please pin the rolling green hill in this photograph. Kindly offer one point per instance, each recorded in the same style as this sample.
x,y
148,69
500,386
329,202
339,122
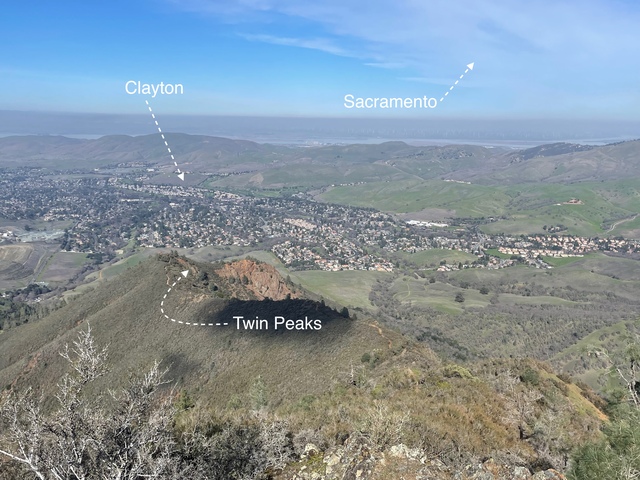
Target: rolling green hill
x,y
609,162
607,207
555,163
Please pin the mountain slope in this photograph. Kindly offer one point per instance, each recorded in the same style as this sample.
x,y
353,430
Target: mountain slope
x,y
61,152
351,379
557,162
618,161
125,314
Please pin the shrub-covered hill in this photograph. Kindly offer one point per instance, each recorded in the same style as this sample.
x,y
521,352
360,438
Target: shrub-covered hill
x,y
351,381
217,361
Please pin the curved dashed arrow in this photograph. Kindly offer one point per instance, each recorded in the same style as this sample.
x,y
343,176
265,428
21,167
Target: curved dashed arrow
x,y
184,274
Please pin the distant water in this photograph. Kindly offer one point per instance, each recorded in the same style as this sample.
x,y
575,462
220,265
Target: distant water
x,y
68,135
516,144
510,133
305,143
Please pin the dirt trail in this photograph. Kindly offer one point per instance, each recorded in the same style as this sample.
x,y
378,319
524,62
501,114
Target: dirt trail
x,y
613,227
377,327
42,265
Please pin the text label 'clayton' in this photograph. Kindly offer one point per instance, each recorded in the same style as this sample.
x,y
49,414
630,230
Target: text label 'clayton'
x,y
135,87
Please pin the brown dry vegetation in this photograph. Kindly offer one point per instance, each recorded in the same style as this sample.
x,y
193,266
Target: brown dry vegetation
x,y
344,379
17,262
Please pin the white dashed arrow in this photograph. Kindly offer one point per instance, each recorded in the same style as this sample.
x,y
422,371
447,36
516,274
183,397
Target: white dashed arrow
x,y
469,67
184,274
166,144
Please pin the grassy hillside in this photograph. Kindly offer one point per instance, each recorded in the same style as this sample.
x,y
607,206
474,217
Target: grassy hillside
x,y
307,176
125,314
604,208
612,338
608,162
352,378
556,163
415,195
200,152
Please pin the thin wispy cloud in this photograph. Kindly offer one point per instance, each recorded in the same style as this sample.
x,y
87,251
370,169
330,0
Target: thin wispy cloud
x,y
386,65
568,57
573,45
572,49
321,44
396,31
430,80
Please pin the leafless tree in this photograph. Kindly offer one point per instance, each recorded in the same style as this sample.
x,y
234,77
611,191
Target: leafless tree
x,y
129,434
383,427
277,446
83,441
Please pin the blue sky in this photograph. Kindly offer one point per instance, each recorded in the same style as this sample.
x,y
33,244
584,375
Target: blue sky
x,y
533,59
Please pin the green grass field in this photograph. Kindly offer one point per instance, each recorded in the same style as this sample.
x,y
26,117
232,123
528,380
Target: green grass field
x,y
62,266
527,207
112,271
512,299
415,195
496,253
561,261
433,257
305,176
439,296
350,288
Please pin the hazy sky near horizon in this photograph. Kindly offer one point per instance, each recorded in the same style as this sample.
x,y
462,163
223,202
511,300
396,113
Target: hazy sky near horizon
x,y
533,59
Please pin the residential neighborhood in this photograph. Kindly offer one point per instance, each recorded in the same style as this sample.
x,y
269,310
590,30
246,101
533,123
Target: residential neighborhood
x,y
108,213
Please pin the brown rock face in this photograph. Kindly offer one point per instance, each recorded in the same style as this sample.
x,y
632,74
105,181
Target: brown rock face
x,y
261,279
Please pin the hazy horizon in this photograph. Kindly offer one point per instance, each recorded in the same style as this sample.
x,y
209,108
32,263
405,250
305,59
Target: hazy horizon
x,y
301,130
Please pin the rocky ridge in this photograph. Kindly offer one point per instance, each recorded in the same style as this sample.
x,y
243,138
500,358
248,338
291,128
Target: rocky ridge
x,y
261,279
356,460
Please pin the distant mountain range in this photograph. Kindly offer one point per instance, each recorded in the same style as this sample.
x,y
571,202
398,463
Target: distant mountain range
x,y
557,162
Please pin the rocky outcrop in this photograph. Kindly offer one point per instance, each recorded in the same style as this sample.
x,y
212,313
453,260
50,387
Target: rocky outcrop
x,y
261,279
356,460
490,470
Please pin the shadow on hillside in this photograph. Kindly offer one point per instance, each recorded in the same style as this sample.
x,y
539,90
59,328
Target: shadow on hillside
x,y
180,366
332,322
